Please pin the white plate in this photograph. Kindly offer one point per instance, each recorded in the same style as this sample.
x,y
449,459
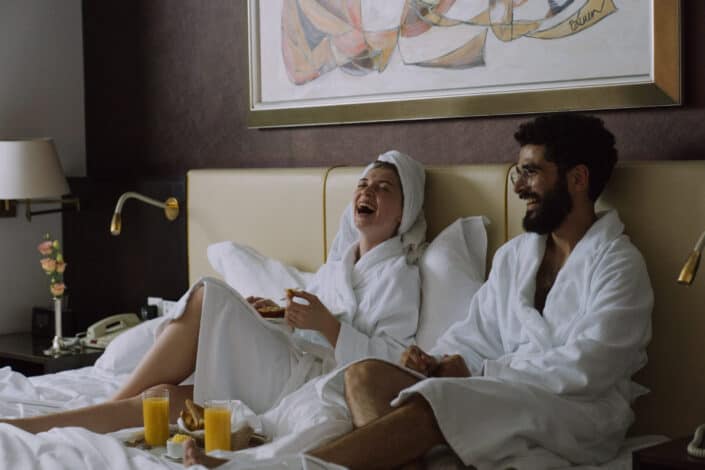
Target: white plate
x,y
182,428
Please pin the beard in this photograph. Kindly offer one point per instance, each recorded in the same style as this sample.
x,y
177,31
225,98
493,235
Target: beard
x,y
551,211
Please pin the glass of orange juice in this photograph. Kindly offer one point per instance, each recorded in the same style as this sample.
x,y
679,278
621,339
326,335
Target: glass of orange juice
x,y
155,414
217,424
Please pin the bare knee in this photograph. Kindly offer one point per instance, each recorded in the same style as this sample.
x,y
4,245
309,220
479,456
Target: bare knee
x,y
364,376
194,306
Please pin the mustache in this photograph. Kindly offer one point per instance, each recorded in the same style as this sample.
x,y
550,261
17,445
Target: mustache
x,y
529,195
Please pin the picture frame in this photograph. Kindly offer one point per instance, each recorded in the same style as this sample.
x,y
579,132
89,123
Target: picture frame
x,y
653,80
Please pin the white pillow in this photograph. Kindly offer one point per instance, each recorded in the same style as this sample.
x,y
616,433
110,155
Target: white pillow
x,y
452,270
251,273
124,352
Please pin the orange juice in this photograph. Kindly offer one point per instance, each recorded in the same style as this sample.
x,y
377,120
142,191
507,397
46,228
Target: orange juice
x,y
155,413
217,424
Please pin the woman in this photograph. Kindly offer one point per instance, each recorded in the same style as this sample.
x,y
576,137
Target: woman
x,y
363,302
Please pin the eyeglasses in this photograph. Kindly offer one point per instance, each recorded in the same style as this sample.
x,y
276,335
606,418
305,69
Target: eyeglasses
x,y
525,174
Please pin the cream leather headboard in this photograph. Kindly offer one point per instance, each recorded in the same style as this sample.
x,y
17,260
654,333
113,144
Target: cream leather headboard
x,y
662,205
277,211
451,192
280,212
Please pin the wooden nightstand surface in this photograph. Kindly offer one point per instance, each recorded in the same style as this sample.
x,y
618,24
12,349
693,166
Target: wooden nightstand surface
x,y
24,353
669,455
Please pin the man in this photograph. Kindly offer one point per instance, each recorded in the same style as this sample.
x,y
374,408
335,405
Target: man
x,y
538,374
540,370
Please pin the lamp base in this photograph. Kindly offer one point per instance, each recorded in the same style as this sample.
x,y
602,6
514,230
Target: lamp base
x,y
58,348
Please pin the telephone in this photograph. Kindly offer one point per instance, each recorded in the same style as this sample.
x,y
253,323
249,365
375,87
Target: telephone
x,y
694,448
103,331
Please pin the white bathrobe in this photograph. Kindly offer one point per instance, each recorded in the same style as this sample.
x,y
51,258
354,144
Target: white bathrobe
x,y
241,356
557,381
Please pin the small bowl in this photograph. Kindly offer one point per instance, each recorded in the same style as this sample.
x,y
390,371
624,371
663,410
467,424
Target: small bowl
x,y
174,450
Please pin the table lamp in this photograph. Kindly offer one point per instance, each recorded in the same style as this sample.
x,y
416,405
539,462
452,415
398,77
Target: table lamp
x,y
30,171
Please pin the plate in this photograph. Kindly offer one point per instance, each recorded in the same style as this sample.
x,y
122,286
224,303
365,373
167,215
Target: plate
x,y
198,434
165,455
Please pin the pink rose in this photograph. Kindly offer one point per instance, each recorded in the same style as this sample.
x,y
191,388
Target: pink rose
x,y
57,289
60,266
48,265
45,247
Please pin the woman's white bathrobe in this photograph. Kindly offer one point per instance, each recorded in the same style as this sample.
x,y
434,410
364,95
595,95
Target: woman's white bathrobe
x,y
241,356
558,380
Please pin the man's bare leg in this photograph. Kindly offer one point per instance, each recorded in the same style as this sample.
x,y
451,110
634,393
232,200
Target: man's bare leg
x,y
369,387
105,417
404,435
176,347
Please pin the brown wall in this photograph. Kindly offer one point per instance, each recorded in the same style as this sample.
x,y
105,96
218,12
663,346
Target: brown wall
x,y
166,91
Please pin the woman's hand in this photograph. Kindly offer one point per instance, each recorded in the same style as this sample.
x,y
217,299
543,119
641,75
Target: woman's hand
x,y
311,316
452,366
415,358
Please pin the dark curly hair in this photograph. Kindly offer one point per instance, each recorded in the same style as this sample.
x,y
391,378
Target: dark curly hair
x,y
571,140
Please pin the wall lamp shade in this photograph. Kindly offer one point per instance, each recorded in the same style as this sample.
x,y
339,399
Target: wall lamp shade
x,y
30,169
690,268
170,206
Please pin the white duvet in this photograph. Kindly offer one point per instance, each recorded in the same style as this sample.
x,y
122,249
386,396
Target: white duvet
x,y
79,449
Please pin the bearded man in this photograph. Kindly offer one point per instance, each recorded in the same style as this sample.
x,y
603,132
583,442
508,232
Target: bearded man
x,y
539,373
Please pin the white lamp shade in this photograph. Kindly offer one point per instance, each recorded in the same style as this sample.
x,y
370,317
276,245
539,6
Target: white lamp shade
x,y
30,169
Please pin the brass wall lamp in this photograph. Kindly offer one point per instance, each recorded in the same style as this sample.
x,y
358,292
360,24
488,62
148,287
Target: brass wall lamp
x,y
170,206
690,268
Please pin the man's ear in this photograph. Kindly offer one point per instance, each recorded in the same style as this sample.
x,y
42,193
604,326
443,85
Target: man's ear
x,y
579,178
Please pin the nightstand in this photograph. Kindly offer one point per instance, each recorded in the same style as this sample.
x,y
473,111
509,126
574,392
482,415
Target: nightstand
x,y
24,353
671,455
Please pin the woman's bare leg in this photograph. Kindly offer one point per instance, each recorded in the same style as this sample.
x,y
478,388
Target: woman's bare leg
x,y
105,417
172,358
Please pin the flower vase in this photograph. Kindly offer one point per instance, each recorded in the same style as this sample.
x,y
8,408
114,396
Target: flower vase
x,y
57,344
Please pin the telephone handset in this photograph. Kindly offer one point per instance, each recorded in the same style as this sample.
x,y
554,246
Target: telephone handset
x,y
694,448
103,331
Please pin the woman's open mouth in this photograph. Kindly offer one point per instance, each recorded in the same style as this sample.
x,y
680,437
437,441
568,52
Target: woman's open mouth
x,y
364,208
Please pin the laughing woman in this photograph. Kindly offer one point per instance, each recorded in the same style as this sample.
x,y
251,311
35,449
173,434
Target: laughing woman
x,y
363,302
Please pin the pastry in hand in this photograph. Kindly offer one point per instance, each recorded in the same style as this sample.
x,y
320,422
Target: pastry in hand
x,y
271,311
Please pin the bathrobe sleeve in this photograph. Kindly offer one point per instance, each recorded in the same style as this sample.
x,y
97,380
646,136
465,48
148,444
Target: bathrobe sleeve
x,y
387,325
606,344
478,336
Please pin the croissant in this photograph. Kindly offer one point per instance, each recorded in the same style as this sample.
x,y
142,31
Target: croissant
x,y
192,416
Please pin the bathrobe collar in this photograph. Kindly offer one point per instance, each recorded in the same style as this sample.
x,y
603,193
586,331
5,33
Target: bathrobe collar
x,y
606,228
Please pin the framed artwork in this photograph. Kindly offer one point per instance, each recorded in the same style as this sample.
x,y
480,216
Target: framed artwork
x,y
314,62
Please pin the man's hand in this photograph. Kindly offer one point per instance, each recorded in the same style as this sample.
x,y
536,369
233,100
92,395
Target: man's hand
x,y
452,366
414,358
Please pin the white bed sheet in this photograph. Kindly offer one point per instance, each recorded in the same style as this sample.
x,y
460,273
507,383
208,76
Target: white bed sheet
x,y
75,448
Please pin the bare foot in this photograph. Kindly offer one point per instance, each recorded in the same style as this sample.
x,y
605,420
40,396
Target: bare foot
x,y
193,455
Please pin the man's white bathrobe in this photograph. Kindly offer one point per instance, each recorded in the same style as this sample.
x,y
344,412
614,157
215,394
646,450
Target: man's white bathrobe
x,y
558,380
241,356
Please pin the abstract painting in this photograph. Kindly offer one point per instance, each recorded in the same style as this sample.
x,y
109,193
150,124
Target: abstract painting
x,y
338,61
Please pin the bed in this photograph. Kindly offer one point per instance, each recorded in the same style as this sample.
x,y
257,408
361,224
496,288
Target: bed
x,y
661,204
